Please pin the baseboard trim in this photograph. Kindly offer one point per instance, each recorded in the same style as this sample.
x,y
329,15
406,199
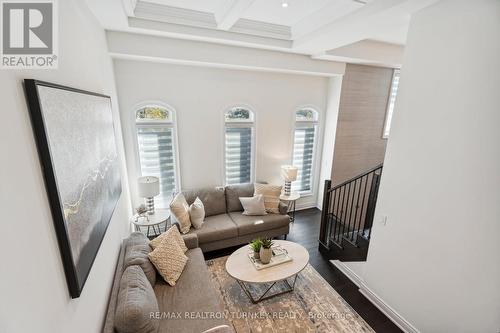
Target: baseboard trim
x,y
304,206
385,308
347,271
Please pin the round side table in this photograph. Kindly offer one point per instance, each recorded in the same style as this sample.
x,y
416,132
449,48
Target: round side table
x,y
152,222
290,201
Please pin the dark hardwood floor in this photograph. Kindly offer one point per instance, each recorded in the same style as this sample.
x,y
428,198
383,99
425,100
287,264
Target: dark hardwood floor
x,y
305,231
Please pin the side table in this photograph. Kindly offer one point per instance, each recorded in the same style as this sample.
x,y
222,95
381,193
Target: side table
x,y
152,222
290,201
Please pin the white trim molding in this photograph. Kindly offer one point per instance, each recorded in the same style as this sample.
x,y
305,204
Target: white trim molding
x,y
171,50
376,300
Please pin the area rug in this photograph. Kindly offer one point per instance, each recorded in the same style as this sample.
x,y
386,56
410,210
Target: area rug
x,y
314,306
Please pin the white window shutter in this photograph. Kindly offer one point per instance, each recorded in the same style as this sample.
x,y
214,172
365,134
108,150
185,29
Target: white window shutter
x,y
157,158
303,158
238,155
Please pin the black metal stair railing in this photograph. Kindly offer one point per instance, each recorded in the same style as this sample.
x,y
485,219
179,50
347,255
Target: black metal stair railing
x,y
348,209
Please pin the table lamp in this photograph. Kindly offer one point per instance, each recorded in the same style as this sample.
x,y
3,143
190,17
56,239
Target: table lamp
x,y
289,174
149,187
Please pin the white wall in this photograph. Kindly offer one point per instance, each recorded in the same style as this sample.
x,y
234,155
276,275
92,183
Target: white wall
x,y
200,96
34,295
437,261
330,119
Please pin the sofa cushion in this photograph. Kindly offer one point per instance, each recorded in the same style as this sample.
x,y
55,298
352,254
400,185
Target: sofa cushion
x,y
193,293
135,238
216,228
213,198
136,301
233,194
138,255
252,224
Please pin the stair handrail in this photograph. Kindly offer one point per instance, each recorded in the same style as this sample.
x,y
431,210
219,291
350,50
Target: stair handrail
x,y
356,178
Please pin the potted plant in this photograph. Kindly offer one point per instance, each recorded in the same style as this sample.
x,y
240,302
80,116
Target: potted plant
x,y
265,251
256,245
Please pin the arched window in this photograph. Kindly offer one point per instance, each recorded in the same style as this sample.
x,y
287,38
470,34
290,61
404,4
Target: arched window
x,y
304,147
157,148
238,145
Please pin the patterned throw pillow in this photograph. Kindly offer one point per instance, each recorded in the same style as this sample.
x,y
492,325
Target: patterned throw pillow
x,y
169,259
271,195
171,232
180,208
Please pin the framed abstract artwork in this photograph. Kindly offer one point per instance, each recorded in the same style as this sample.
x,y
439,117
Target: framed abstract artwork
x,y
76,145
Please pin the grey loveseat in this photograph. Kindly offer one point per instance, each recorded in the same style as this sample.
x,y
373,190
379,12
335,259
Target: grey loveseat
x,y
225,225
193,293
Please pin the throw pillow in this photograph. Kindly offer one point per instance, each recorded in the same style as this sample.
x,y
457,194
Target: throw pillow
x,y
253,205
169,260
197,213
271,195
180,208
171,232
136,301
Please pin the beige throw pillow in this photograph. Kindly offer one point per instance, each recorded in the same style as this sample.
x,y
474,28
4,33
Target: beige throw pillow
x,y
171,232
180,208
197,213
271,195
169,259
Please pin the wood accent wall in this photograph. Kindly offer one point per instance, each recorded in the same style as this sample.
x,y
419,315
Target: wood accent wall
x,y
358,143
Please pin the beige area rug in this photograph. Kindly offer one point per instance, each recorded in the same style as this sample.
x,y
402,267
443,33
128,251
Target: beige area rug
x,y
314,306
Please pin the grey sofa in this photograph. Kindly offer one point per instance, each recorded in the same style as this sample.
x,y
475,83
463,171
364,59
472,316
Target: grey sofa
x,y
193,292
226,226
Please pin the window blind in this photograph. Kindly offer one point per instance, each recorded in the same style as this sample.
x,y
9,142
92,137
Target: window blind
x,y
303,155
157,158
238,153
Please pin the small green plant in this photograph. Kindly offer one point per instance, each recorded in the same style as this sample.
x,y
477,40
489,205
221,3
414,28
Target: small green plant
x,y
256,244
267,243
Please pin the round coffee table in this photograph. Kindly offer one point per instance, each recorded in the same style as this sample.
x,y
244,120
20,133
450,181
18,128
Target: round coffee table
x,y
239,266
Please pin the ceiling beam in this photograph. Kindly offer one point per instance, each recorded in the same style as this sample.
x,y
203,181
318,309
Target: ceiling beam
x,y
375,18
232,13
368,52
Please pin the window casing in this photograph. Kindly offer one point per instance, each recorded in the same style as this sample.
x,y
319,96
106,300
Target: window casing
x,y
239,132
157,149
390,103
304,149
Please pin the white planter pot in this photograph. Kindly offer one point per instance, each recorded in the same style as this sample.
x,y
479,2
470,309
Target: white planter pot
x,y
265,255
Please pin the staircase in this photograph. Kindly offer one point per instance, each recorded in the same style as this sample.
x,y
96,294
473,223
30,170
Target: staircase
x,y
347,216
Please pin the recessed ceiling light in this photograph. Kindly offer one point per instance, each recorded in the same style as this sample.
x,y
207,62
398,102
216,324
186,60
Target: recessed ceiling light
x,y
284,4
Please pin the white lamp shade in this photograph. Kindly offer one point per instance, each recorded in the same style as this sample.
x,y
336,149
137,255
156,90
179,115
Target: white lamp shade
x,y
289,173
148,186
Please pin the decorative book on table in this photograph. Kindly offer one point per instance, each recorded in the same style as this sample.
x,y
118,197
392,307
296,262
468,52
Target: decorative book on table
x,y
280,256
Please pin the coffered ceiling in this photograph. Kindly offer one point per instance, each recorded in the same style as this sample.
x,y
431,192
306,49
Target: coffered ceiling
x,y
312,27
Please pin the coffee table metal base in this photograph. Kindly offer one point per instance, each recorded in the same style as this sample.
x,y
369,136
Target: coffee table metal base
x,y
265,295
